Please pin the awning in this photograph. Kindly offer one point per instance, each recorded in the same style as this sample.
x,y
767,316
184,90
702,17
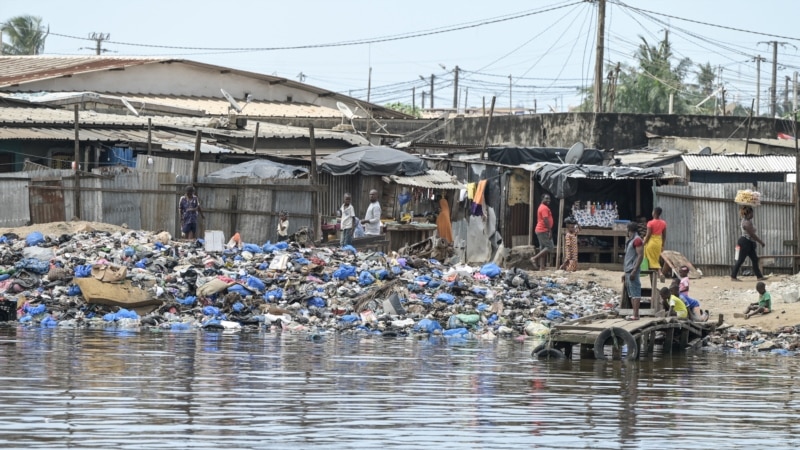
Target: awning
x,y
434,179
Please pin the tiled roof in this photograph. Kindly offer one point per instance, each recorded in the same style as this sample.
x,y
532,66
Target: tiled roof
x,y
740,163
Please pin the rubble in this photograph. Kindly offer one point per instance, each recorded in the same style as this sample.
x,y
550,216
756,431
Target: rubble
x,y
142,280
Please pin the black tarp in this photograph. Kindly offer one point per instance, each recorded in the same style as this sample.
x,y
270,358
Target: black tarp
x,y
377,160
562,179
515,156
259,168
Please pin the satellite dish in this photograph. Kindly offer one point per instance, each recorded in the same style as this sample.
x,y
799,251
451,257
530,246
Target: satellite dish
x,y
574,154
705,151
129,106
231,100
345,110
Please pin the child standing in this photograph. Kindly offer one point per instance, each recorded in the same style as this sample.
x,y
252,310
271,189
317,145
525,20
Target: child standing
x,y
570,246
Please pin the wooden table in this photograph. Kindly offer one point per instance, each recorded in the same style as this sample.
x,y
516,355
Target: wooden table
x,y
595,252
401,235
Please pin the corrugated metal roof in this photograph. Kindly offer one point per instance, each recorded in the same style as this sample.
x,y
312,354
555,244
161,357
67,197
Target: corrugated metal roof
x,y
18,70
434,179
167,141
782,143
11,118
220,106
740,163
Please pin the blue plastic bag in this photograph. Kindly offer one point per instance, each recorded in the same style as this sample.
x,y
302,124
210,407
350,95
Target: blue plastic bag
x,y
239,289
129,251
318,302
49,322
74,290
427,325
34,310
381,274
491,270
83,271
350,248
33,265
179,326
34,238
554,314
256,283
210,311
422,280
365,278
548,301
273,295
281,245
447,298
426,299
126,314
344,271
142,263
238,307
350,318
302,261
459,332
252,248
188,301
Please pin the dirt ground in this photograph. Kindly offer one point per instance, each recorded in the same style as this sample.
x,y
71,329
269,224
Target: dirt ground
x,y
719,295
59,228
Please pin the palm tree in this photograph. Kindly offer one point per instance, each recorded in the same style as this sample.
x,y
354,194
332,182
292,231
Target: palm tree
x,y
25,35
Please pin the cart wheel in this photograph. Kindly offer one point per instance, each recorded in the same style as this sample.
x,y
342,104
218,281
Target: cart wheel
x,y
613,340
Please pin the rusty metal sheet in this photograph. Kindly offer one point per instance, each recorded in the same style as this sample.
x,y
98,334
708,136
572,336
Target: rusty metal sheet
x,y
46,205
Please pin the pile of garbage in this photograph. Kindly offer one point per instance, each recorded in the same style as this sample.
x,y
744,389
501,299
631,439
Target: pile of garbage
x,y
139,279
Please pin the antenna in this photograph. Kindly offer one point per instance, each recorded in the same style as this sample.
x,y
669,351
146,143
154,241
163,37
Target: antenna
x,y
231,100
345,110
129,106
574,154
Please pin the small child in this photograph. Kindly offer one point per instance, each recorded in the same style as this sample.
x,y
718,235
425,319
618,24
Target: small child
x,y
764,305
283,226
676,306
695,313
570,246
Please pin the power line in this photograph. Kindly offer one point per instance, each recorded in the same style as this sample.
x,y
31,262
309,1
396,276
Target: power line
x,y
390,38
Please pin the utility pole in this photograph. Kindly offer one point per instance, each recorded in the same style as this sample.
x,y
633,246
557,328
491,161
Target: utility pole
x,y
466,98
455,89
719,88
432,78
773,89
413,98
510,103
794,93
758,58
98,38
369,84
598,63
422,104
786,94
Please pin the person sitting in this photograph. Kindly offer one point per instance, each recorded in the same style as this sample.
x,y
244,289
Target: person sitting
x,y
695,313
764,305
676,306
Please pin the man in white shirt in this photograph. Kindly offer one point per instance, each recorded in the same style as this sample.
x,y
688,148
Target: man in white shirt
x,y
372,221
348,221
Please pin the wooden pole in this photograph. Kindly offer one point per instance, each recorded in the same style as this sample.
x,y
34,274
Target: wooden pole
x,y
531,209
149,136
488,125
560,226
255,137
76,199
795,264
749,123
598,63
317,226
196,162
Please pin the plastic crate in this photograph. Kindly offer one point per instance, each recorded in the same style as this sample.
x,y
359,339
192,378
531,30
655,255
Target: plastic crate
x,y
8,311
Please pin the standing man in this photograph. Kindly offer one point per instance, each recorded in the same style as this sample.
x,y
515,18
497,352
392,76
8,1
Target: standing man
x,y
544,233
634,253
372,221
189,207
283,226
348,215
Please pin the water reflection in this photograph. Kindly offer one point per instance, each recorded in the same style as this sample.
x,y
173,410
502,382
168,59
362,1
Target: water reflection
x,y
99,389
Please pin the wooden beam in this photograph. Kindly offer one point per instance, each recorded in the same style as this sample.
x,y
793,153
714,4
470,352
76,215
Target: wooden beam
x,y
76,197
196,162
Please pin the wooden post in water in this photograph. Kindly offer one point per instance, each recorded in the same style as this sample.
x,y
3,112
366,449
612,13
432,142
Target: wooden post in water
x,y
76,193
560,226
488,125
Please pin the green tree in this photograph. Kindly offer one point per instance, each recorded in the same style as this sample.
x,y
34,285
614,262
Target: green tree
x,y
646,89
404,108
25,35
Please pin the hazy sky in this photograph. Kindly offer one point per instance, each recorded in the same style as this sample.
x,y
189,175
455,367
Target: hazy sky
x,y
548,54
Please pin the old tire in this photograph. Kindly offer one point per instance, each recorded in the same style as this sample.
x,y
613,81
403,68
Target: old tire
x,y
537,349
616,338
549,353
